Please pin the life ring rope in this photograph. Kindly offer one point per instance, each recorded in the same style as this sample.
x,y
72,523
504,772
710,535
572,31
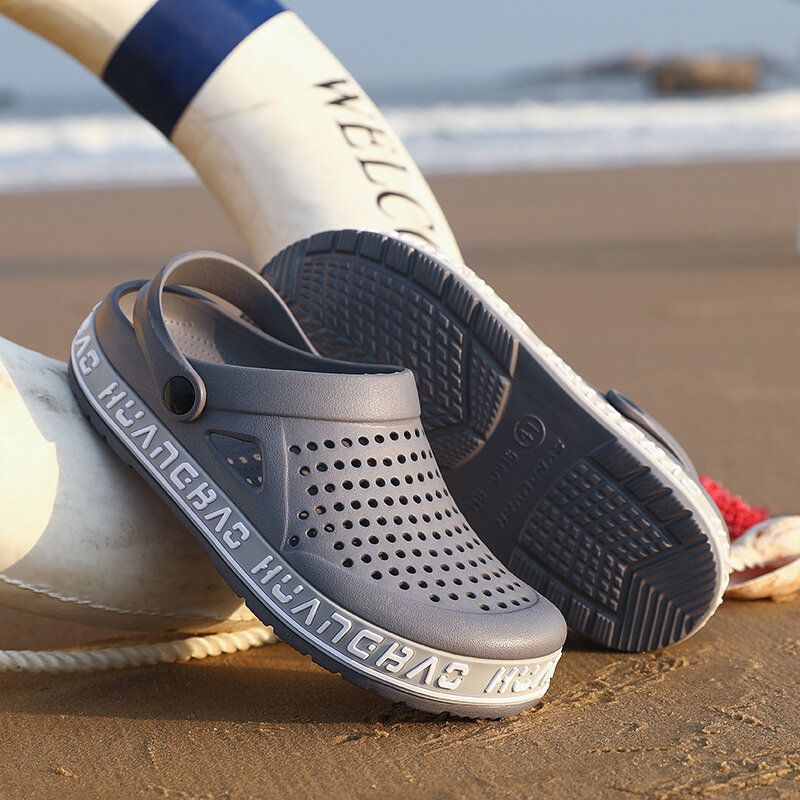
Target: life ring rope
x,y
137,655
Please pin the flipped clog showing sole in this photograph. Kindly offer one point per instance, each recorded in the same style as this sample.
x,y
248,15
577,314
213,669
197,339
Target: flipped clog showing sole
x,y
311,484
582,504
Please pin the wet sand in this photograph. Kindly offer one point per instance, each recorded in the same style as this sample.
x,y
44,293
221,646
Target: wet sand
x,y
678,285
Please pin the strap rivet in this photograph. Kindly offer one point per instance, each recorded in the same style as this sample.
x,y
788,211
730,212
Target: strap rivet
x,y
179,395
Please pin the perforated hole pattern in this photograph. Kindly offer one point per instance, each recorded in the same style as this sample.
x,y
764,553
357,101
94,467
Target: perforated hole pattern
x,y
376,503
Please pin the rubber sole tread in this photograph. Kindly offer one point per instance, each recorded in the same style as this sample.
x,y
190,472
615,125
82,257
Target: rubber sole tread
x,y
599,533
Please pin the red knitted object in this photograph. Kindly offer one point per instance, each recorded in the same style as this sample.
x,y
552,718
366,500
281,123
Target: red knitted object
x,y
738,515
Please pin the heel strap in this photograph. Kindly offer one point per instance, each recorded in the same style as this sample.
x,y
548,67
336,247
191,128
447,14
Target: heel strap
x,y
181,389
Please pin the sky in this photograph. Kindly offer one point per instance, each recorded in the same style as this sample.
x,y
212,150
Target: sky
x,y
414,41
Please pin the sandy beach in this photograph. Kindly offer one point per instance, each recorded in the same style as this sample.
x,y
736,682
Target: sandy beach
x,y
679,285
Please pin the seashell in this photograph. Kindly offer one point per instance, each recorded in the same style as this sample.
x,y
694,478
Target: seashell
x,y
765,560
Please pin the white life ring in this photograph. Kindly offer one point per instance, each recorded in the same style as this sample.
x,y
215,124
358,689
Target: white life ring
x,y
290,144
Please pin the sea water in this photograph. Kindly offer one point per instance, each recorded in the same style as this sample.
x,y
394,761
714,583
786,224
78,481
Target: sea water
x,y
499,125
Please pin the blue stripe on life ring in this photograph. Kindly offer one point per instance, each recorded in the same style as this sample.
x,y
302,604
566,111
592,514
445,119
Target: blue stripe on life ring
x,y
174,48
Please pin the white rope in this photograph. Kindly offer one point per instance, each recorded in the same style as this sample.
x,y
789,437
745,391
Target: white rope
x,y
136,655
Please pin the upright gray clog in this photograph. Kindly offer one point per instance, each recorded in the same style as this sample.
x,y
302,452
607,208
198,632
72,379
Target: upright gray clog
x,y
312,485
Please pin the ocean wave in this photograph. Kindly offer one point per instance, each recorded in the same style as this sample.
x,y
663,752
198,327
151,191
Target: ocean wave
x,y
530,134
91,150
113,149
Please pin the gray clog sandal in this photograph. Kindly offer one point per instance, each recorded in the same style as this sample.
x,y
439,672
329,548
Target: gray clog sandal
x,y
582,495
313,487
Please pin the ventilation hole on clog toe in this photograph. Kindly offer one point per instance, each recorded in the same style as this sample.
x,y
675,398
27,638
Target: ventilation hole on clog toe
x,y
432,543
